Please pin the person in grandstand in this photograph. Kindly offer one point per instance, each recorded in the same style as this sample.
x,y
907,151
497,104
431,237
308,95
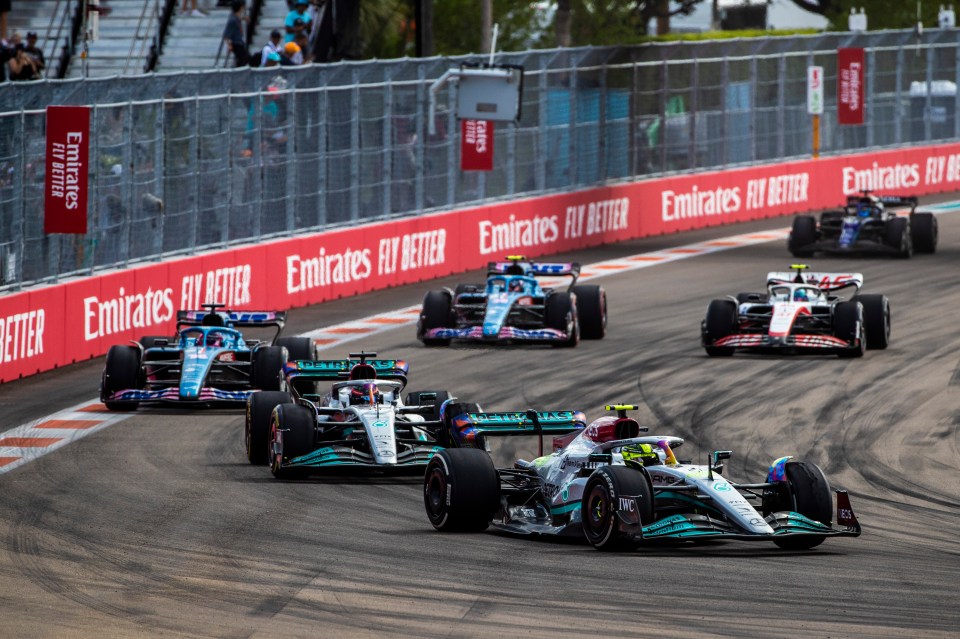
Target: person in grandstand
x,y
233,33
297,20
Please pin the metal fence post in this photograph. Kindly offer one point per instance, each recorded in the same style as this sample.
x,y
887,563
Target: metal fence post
x,y
753,107
781,106
724,81
868,112
419,146
292,173
693,110
452,145
898,112
928,103
542,114
386,163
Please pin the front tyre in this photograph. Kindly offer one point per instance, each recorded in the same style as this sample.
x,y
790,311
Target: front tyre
x,y
721,321
298,348
436,313
268,363
591,311
561,315
806,492
925,232
461,490
803,236
601,500
899,238
848,326
293,427
121,372
876,320
256,431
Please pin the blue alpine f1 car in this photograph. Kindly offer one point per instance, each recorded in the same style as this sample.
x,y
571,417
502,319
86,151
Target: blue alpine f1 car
x,y
513,307
207,361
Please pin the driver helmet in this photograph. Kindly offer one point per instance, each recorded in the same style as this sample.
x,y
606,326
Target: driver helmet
x,y
801,295
641,453
364,395
516,286
214,339
863,209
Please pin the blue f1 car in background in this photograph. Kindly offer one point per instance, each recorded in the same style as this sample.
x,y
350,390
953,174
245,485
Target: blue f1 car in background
x,y
866,225
207,361
514,307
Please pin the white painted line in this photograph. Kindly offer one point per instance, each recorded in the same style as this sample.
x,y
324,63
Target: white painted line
x,y
22,443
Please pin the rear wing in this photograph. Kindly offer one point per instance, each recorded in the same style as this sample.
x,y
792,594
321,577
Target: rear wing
x,y
555,269
886,200
824,281
502,424
338,369
238,319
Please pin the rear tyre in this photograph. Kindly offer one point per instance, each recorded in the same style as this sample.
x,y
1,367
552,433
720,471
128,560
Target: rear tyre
x,y
298,348
561,315
267,369
898,236
876,320
121,372
256,430
600,501
295,426
591,311
436,313
468,288
808,493
925,232
803,236
847,325
721,321
461,490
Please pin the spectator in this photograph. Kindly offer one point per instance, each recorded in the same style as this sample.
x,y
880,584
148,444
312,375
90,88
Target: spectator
x,y
297,20
273,60
21,66
4,10
290,55
303,41
233,33
5,54
272,46
195,13
35,52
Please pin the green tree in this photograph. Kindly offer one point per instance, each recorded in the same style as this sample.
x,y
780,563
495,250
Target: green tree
x,y
458,26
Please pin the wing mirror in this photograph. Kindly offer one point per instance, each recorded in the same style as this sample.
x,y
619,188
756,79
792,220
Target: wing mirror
x,y
716,461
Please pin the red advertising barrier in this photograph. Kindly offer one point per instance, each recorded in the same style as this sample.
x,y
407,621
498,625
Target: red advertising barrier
x,y
476,145
65,185
57,325
851,70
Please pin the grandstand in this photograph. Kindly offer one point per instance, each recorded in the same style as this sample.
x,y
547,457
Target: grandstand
x,y
136,36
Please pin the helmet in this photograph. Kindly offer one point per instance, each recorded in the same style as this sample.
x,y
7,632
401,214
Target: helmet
x,y
516,286
863,209
214,339
364,395
801,295
641,453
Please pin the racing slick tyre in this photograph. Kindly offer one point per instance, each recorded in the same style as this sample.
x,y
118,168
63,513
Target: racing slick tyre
x,y
876,320
428,398
122,372
559,311
436,313
847,316
256,430
601,500
461,490
298,347
806,491
923,227
898,237
721,322
803,236
468,288
294,426
591,311
267,369
455,409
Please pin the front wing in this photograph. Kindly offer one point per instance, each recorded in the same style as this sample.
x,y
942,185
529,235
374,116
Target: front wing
x,y
794,342
343,457
507,333
172,394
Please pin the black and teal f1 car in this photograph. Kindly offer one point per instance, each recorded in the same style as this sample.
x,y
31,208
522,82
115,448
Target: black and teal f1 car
x,y
348,414
621,490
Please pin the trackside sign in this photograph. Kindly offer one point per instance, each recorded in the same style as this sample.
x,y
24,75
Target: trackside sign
x,y
56,325
65,184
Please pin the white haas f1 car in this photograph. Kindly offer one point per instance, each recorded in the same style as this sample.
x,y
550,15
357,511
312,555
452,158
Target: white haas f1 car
x,y
800,312
621,490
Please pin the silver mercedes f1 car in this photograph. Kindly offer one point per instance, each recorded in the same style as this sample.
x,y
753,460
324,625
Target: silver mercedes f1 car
x,y
620,490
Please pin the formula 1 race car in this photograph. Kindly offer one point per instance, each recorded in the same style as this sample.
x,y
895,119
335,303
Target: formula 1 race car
x,y
866,224
513,307
207,361
361,422
799,313
621,490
